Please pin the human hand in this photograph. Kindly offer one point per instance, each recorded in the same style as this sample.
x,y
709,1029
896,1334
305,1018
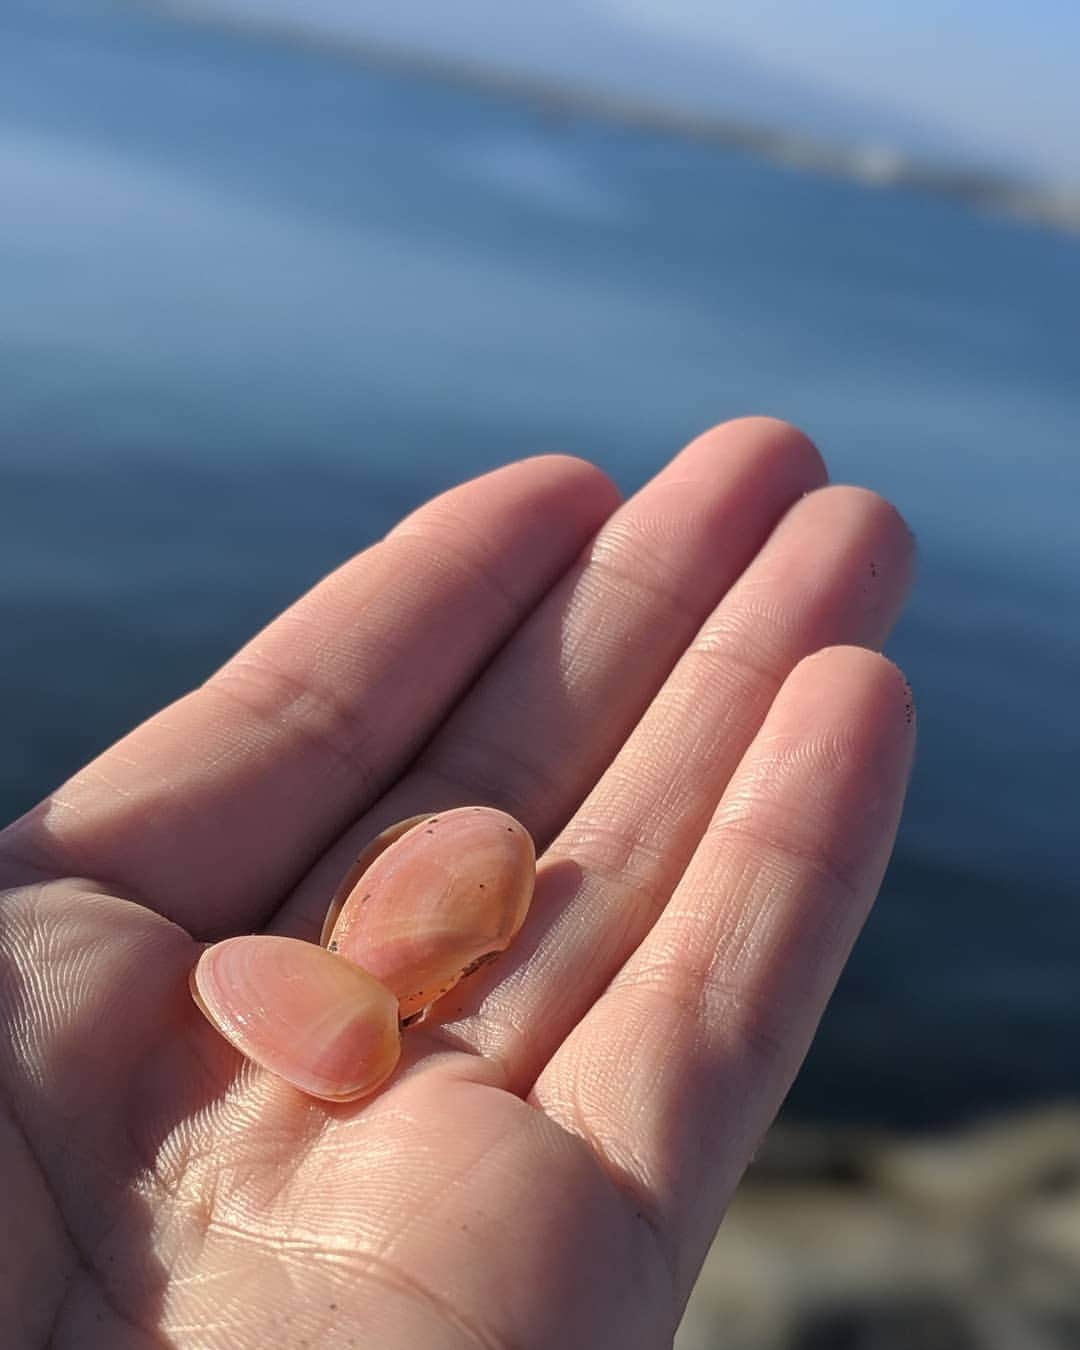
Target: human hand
x,y
714,784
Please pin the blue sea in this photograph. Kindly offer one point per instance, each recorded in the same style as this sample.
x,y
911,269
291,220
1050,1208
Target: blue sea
x,y
258,298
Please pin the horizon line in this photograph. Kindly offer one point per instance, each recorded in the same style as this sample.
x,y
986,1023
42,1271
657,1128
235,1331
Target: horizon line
x,y
1038,201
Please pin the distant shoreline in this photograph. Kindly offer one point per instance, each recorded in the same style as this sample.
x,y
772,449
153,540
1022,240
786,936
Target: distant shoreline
x,y
990,192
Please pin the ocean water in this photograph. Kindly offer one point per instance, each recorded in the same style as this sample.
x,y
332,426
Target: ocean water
x,y
257,299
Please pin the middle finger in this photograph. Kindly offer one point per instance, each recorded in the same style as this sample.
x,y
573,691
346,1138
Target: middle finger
x,y
548,715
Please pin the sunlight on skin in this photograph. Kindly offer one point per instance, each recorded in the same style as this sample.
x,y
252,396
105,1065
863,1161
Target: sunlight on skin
x,y
714,789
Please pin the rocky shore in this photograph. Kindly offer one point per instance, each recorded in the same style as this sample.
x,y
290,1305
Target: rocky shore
x,y
847,1239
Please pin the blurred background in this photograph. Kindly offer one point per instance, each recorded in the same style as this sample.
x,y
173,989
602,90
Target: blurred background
x,y
274,271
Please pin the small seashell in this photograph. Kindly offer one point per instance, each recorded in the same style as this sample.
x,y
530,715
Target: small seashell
x,y
378,845
320,1023
433,898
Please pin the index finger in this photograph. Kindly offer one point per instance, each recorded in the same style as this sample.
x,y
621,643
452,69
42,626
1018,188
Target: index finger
x,y
210,811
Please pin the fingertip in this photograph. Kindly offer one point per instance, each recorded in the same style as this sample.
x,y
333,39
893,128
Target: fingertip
x,y
573,493
854,687
584,491
789,450
576,470
883,516
562,472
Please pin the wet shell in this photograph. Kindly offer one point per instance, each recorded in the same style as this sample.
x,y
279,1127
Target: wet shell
x,y
444,894
321,1023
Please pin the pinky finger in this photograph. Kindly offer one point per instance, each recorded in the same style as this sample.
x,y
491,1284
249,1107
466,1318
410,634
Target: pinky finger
x,y
679,1067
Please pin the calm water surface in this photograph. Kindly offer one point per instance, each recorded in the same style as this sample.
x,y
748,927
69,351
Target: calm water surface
x,y
257,300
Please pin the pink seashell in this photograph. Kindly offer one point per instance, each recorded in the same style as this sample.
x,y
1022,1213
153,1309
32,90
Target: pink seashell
x,y
320,1023
433,898
378,845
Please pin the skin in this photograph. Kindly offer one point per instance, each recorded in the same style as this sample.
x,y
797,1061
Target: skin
x,y
680,698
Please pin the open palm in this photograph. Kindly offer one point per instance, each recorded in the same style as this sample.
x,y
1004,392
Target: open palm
x,y
714,804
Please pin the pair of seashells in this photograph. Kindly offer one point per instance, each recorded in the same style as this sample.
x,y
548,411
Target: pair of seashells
x,y
428,901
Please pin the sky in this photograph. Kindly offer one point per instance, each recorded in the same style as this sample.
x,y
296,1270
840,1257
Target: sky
x,y
994,81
